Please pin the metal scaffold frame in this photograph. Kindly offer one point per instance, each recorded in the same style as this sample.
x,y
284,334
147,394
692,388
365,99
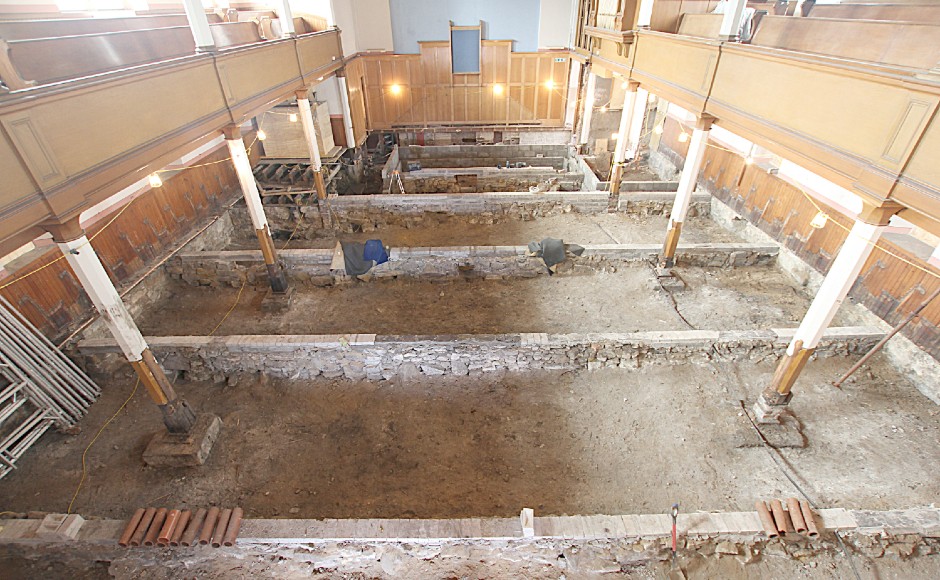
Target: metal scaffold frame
x,y
39,387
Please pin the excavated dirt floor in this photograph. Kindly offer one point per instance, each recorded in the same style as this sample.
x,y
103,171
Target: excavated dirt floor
x,y
575,228
611,441
628,300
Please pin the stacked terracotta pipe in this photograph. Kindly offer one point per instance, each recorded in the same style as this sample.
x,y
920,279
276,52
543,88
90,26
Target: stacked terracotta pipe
x,y
796,517
162,527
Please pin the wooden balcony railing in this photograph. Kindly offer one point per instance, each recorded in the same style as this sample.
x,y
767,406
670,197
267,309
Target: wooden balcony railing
x,y
69,145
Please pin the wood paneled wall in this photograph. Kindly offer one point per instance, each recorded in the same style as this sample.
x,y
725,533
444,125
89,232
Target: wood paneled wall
x,y
511,87
888,286
151,227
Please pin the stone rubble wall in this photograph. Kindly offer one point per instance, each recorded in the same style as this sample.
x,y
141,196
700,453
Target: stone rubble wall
x,y
366,213
232,267
372,357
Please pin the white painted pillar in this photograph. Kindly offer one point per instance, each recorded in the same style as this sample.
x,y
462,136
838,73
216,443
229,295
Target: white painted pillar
x,y
626,122
690,170
588,108
246,179
640,103
731,21
571,106
310,133
645,14
199,25
306,119
620,149
83,260
236,148
857,247
94,279
347,112
286,18
845,269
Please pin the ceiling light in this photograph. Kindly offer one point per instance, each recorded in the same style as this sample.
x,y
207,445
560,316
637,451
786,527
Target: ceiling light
x,y
658,129
262,135
395,89
819,220
155,180
549,84
293,117
748,160
497,89
683,137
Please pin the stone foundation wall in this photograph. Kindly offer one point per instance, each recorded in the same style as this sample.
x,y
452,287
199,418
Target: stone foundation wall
x,y
367,356
366,213
905,543
230,268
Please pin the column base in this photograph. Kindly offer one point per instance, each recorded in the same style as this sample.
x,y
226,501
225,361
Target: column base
x,y
184,449
668,257
786,433
277,301
769,410
178,417
277,277
325,216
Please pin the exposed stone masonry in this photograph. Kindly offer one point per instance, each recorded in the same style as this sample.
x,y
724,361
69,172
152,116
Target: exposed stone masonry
x,y
367,356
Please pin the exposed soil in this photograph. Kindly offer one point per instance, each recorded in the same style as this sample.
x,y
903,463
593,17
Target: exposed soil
x,y
628,300
611,441
573,228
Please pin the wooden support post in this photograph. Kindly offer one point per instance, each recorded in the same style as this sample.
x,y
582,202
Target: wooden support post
x,y
620,151
249,187
588,107
640,105
286,19
347,112
856,249
81,257
731,21
199,25
690,170
306,119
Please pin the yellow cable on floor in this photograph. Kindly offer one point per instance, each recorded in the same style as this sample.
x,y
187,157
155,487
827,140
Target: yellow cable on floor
x,y
237,298
100,431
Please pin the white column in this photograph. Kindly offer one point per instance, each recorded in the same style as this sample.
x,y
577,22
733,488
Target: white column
x,y
637,119
693,164
286,18
731,22
845,269
572,105
645,14
236,148
626,121
588,108
690,170
199,24
347,113
83,260
306,119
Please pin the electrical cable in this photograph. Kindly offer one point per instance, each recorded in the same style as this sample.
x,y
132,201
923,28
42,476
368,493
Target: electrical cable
x,y
785,468
81,482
